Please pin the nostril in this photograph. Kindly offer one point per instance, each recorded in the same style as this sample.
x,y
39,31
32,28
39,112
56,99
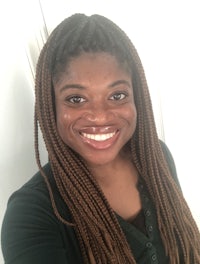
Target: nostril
x,y
89,116
99,116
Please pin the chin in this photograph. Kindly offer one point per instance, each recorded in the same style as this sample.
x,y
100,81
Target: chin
x,y
100,160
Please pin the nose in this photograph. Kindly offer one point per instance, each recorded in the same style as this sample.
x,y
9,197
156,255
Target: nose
x,y
99,114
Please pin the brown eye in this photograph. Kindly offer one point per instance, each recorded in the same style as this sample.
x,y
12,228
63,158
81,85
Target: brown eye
x,y
75,99
118,96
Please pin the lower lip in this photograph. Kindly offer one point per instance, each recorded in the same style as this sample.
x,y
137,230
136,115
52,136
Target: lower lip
x,y
101,145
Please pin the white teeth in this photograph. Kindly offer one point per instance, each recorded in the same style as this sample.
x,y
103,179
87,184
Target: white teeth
x,y
98,137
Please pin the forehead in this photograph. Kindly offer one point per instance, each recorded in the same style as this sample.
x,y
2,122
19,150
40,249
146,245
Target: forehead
x,y
98,59
94,67
89,63
74,63
91,70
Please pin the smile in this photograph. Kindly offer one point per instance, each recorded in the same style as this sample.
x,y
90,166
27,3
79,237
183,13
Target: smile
x,y
98,137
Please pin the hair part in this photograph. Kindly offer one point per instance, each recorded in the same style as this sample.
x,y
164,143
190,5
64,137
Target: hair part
x,y
100,236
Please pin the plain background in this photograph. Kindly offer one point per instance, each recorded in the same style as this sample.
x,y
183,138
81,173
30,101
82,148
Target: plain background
x,y
166,35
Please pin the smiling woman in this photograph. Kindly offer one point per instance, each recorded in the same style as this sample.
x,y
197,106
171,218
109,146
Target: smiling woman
x,y
109,193
95,113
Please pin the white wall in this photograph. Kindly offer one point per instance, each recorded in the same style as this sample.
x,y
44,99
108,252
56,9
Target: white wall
x,y
17,158
166,34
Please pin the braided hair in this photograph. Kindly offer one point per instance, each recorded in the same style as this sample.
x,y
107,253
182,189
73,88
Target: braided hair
x,y
100,236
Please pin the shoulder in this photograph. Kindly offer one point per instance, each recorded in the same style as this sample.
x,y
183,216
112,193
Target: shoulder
x,y
30,226
28,204
32,192
37,181
33,201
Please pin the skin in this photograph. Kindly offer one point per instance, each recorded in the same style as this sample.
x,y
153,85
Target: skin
x,y
96,116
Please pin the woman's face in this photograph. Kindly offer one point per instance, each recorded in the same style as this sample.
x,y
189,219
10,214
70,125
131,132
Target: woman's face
x,y
95,109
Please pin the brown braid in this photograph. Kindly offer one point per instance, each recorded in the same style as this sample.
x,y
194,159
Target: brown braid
x,y
99,234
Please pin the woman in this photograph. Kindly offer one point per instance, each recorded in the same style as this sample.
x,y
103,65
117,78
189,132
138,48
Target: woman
x,y
109,193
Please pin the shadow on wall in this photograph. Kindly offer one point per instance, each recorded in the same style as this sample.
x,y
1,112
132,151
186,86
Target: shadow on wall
x,y
17,162
17,146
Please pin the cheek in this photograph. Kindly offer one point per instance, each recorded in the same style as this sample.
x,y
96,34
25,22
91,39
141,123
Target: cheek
x,y
131,115
66,117
63,122
132,120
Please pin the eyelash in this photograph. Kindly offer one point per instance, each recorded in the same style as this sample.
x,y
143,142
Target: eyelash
x,y
123,94
76,99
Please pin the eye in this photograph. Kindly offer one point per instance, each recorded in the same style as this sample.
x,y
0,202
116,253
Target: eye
x,y
118,96
75,99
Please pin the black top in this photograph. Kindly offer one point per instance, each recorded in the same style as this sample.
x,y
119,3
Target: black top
x,y
32,234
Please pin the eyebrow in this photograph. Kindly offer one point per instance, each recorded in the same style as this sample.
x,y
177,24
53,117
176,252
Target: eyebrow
x,y
73,86
119,82
81,87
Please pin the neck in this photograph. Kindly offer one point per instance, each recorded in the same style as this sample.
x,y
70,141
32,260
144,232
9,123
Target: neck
x,y
118,181
119,172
